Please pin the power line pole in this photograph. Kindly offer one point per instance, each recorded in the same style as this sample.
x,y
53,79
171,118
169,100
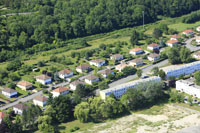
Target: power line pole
x,y
143,18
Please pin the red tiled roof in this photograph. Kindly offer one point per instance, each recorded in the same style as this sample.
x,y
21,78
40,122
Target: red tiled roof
x,y
136,49
65,71
41,98
153,45
60,89
2,115
175,36
24,83
42,77
188,31
172,41
83,66
97,60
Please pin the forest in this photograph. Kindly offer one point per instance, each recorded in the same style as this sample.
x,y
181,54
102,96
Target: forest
x,y
54,22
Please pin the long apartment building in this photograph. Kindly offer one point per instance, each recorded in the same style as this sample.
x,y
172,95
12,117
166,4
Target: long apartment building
x,y
177,70
119,90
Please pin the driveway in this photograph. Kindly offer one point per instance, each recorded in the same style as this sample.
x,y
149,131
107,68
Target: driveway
x,y
191,47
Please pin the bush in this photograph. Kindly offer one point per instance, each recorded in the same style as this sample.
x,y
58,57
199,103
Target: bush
x,y
74,129
45,92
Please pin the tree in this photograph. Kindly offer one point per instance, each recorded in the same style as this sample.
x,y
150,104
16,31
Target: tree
x,y
185,55
197,77
155,71
81,90
129,70
82,111
103,85
139,73
164,28
157,33
190,100
134,37
162,74
45,124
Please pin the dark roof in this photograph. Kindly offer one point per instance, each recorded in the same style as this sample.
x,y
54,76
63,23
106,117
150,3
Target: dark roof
x,y
8,90
83,66
21,106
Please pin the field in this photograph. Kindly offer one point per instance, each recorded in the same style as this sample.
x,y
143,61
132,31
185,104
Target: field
x,y
162,119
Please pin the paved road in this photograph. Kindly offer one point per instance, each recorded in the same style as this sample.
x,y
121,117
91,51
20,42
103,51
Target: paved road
x,y
191,47
13,14
30,97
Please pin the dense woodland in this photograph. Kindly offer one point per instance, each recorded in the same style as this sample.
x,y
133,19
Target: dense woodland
x,y
56,21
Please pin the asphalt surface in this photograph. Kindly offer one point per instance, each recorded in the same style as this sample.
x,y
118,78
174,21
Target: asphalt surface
x,y
191,47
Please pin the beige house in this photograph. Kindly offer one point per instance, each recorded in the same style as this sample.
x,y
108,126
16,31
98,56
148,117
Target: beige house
x,y
43,79
82,68
97,62
91,79
153,46
196,55
24,85
105,72
136,62
60,91
73,85
40,101
9,92
66,73
136,51
172,43
117,57
198,40
19,108
175,37
188,32
120,67
153,57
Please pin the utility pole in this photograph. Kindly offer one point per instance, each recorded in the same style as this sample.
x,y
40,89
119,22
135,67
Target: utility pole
x,y
143,18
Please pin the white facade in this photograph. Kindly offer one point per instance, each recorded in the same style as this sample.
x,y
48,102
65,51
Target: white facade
x,y
105,75
24,87
67,75
188,87
39,103
198,29
56,94
171,44
117,57
88,81
119,90
79,70
97,64
72,87
153,59
136,52
9,94
17,111
198,40
137,63
177,70
152,48
44,82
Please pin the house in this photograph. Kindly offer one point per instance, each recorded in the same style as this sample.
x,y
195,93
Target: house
x,y
153,57
66,73
19,108
188,86
172,43
97,62
24,85
175,37
40,101
136,62
117,57
119,90
2,115
136,51
82,68
60,91
105,72
43,79
120,67
196,55
198,28
185,69
73,85
198,40
9,92
153,46
91,79
188,32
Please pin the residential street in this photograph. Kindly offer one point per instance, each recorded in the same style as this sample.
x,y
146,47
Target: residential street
x,y
120,81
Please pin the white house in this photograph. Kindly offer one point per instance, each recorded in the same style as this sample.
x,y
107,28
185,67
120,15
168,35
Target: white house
x,y
66,73
73,85
82,68
198,28
175,37
117,57
177,70
136,51
60,91
188,86
91,79
172,43
198,40
9,92
196,55
105,72
97,62
43,79
119,90
188,32
24,85
2,115
153,57
153,46
136,62
40,101
19,108
120,67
